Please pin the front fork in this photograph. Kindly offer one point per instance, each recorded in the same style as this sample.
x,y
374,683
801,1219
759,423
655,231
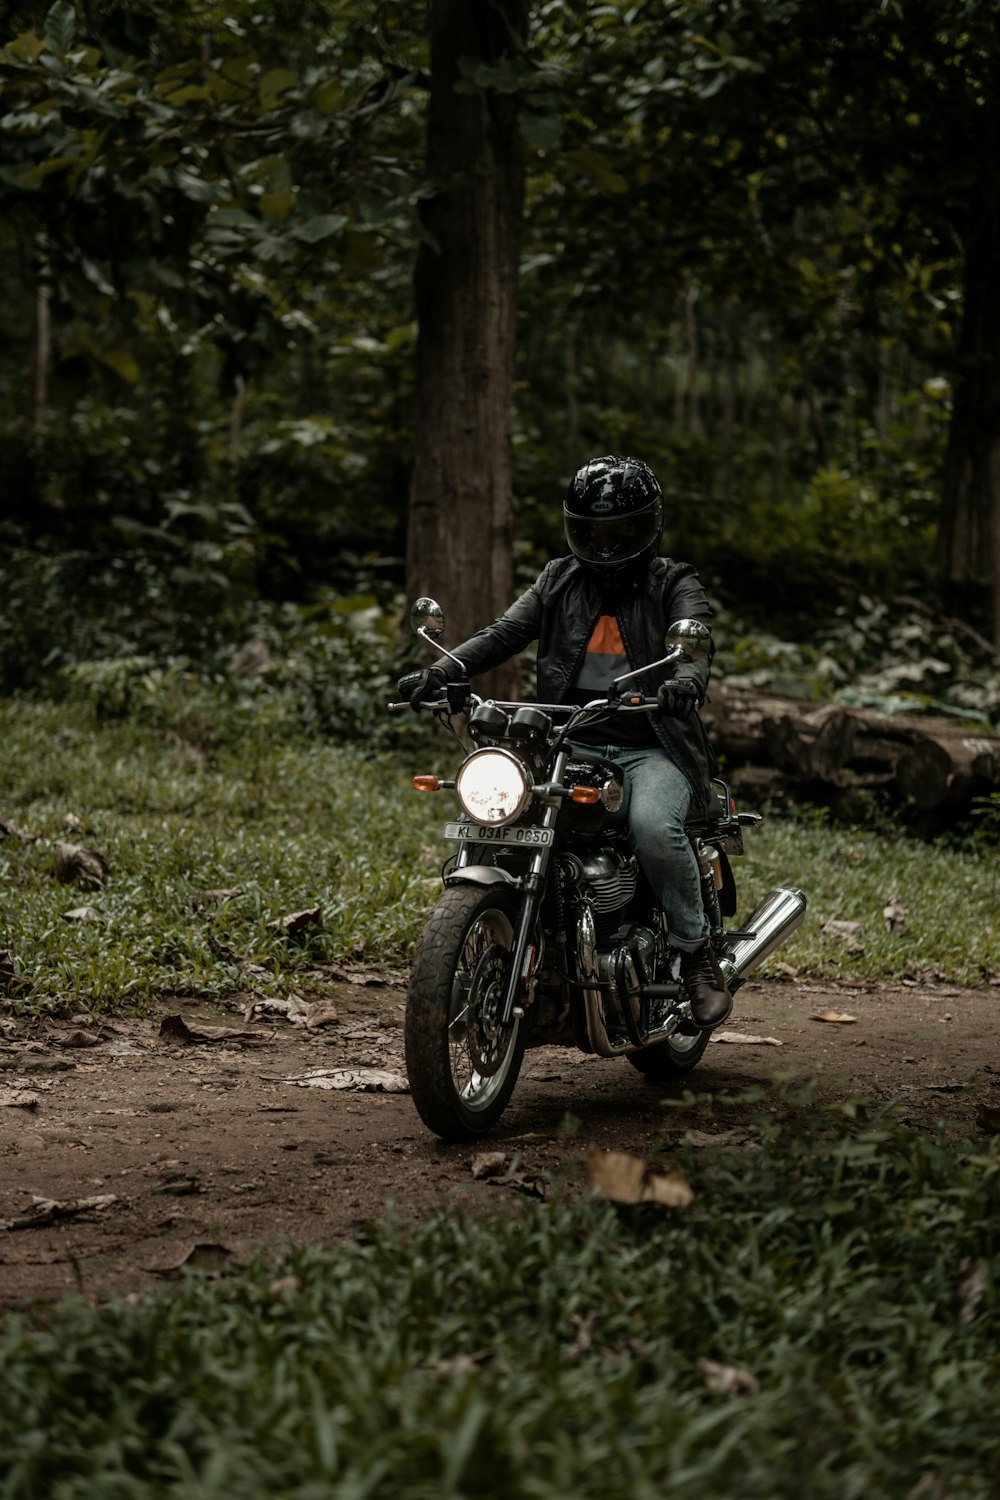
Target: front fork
x,y
532,886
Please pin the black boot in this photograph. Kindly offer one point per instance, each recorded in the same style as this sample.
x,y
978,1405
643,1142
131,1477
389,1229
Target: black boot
x,y
705,988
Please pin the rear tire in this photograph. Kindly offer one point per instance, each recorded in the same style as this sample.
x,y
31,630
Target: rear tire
x,y
461,1063
673,1058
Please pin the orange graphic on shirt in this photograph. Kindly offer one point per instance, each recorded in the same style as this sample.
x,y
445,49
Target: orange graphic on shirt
x,y
607,638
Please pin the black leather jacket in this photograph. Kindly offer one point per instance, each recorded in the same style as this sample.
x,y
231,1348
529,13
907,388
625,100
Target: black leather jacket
x,y
560,610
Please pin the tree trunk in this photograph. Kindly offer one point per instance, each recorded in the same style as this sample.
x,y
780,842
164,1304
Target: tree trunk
x,y
969,535
935,766
461,518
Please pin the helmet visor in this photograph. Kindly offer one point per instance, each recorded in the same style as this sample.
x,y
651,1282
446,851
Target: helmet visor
x,y
611,541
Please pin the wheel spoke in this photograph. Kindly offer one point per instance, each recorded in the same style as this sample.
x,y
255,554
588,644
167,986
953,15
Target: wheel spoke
x,y
461,1062
482,994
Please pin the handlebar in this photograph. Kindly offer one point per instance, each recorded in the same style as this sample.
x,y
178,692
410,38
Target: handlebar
x,y
634,703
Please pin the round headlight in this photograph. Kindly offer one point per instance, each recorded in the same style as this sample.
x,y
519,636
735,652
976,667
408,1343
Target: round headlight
x,y
493,787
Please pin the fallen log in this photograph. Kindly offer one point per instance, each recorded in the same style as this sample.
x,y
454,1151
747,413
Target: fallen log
x,y
934,765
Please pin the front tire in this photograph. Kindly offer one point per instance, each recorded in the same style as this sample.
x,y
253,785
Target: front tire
x,y
673,1058
461,1063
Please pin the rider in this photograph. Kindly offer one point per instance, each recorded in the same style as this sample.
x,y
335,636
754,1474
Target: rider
x,y
597,614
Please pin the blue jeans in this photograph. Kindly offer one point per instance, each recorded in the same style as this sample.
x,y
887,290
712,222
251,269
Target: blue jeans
x,y
657,801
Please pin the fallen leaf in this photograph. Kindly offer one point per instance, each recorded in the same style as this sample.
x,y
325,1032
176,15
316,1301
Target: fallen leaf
x,y
297,922
206,1255
49,1210
894,916
16,1098
291,1007
728,1380
741,1038
628,1179
846,930
840,1017
532,1184
11,831
77,862
363,1080
321,1013
39,1064
488,1164
215,897
785,971
176,1030
73,823
76,1038
177,1185
371,978
285,1286
82,914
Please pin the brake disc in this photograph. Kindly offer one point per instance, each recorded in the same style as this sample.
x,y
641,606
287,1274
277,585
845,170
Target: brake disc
x,y
487,1038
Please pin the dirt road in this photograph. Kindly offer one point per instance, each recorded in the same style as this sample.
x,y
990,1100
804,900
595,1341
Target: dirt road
x,y
125,1153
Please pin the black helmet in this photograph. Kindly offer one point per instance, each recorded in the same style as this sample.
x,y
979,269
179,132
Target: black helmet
x,y
613,513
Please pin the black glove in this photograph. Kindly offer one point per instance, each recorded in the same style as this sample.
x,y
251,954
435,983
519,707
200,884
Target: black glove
x,y
679,698
420,687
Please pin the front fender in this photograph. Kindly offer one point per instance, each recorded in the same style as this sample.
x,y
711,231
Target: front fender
x,y
480,875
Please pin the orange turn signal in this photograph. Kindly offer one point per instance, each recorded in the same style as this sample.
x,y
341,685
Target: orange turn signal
x,y
427,783
586,794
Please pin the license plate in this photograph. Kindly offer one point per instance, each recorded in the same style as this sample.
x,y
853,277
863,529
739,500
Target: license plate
x,y
482,833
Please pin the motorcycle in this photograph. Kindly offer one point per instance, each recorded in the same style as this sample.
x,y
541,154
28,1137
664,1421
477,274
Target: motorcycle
x,y
547,932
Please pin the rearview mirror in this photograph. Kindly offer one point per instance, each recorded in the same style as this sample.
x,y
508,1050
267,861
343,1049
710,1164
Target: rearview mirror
x,y
427,619
692,637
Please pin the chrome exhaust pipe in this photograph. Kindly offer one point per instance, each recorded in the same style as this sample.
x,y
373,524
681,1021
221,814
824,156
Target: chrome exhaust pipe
x,y
775,919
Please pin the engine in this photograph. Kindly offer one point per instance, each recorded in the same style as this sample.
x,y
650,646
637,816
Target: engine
x,y
608,879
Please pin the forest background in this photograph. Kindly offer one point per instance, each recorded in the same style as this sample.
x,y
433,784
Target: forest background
x,y
757,245
309,307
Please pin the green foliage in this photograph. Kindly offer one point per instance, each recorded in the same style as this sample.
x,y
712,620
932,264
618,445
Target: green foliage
x,y
191,201
559,1350
768,314
896,658
321,669
66,605
213,212
188,785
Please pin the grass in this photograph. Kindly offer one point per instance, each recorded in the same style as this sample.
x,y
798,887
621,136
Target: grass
x,y
287,825
950,897
545,1351
298,823
556,1350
